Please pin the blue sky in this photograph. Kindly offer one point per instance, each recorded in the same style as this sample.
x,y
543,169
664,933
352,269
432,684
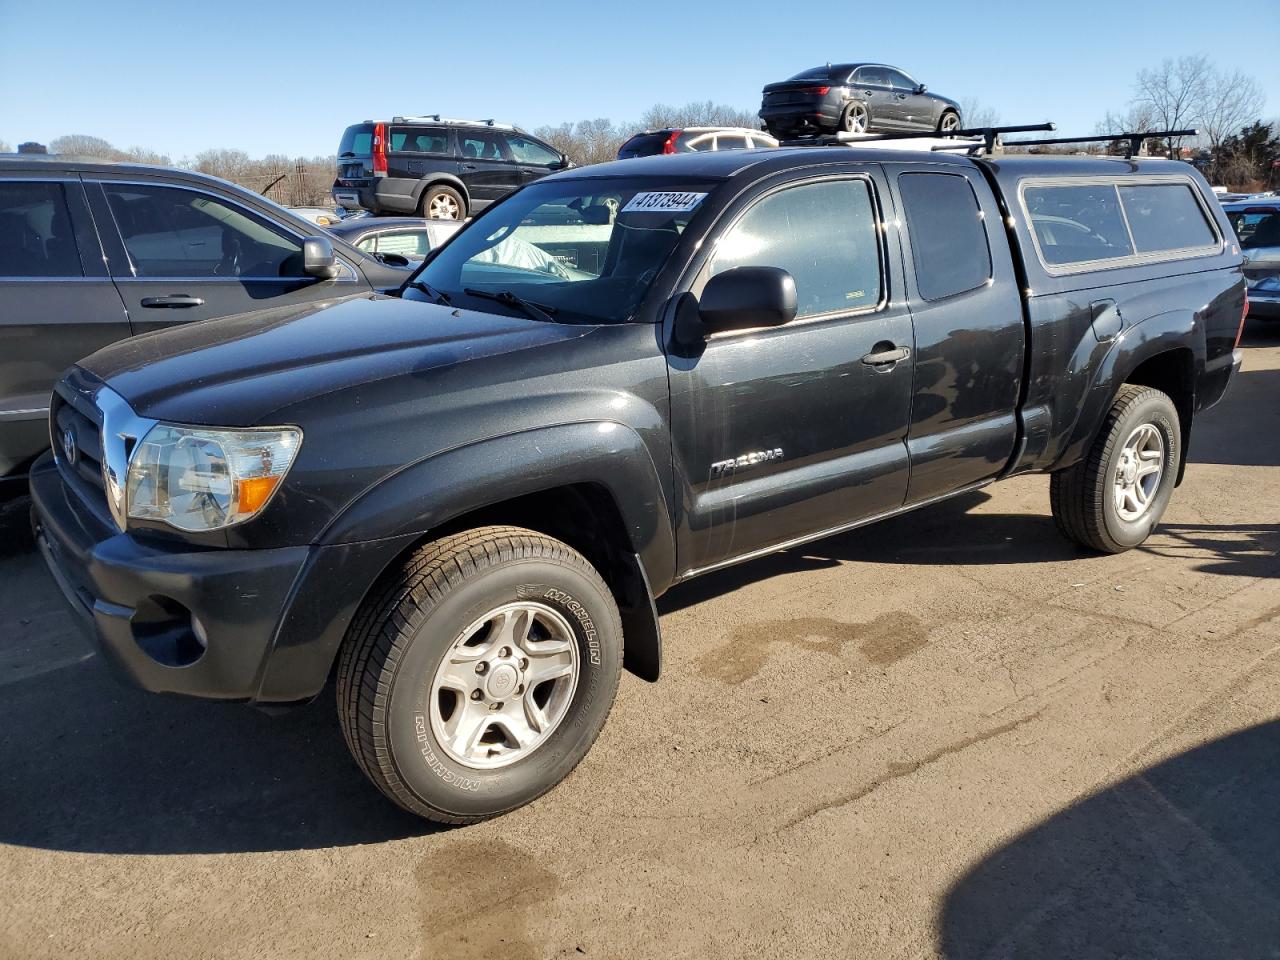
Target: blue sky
x,y
287,77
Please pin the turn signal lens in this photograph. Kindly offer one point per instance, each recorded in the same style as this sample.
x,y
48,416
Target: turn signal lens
x,y
198,480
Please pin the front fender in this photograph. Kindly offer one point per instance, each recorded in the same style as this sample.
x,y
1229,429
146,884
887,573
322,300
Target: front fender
x,y
426,494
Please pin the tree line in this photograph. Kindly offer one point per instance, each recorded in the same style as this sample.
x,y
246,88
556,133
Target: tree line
x,y
1235,146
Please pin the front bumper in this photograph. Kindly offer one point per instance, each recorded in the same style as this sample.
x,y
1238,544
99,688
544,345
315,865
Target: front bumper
x,y
258,625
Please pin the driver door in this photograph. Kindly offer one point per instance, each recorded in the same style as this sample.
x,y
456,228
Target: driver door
x,y
181,253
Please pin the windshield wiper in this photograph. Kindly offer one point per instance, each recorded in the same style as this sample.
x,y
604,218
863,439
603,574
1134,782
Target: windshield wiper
x,y
537,311
438,296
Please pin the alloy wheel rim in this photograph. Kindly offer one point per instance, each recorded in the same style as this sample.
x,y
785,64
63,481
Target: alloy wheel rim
x,y
504,685
857,122
1139,470
951,122
443,208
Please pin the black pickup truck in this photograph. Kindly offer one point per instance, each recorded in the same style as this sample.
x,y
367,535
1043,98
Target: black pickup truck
x,y
463,500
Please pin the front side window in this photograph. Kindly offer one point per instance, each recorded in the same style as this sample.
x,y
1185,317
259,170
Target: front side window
x,y
414,244
524,150
36,239
948,239
173,232
588,249
900,81
1165,216
823,234
1079,223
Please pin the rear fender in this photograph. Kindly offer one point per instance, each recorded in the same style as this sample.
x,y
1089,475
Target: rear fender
x,y
1166,332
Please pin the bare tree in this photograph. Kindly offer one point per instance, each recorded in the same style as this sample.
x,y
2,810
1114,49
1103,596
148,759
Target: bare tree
x,y
83,145
1231,101
5,148
587,141
975,113
228,164
1175,94
705,113
147,155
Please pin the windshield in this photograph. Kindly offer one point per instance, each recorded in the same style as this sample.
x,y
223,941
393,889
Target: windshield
x,y
584,250
1256,226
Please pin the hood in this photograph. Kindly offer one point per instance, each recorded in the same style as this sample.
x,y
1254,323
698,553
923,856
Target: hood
x,y
235,371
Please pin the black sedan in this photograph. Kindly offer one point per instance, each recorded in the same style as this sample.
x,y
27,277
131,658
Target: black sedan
x,y
389,237
854,98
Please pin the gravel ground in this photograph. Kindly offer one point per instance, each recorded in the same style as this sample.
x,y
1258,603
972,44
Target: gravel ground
x,y
948,735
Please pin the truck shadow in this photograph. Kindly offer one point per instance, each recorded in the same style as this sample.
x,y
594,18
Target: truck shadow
x,y
950,534
89,765
1180,860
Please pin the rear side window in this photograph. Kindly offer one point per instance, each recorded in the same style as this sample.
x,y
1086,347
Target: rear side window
x,y
1084,223
1165,216
1078,223
357,141
823,234
948,239
35,232
417,140
481,145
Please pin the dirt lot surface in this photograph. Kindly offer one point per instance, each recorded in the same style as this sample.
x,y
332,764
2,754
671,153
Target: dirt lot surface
x,y
949,735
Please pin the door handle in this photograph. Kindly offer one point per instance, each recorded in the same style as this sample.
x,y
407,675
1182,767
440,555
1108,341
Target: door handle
x,y
902,96
468,166
886,354
173,301
868,93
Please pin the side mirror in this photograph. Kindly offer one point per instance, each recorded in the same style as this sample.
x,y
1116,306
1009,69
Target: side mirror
x,y
747,297
564,163
921,88
318,258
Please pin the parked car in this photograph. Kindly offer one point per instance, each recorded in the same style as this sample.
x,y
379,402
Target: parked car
x,y
436,168
317,215
693,139
1257,225
464,500
854,98
410,237
93,252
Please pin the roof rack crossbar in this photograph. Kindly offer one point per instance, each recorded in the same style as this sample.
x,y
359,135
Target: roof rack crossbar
x,y
1133,141
989,136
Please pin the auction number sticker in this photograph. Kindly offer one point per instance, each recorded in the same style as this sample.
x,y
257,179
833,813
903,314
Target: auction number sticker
x,y
663,202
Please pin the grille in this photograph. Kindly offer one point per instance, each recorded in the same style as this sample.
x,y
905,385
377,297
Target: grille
x,y
84,475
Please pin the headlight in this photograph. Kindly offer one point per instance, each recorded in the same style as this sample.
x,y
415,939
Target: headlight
x,y
198,479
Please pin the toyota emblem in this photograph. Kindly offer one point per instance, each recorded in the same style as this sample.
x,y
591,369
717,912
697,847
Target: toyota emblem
x,y
69,448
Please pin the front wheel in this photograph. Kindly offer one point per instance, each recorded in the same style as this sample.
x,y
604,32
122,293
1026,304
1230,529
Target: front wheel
x,y
949,122
478,675
1112,500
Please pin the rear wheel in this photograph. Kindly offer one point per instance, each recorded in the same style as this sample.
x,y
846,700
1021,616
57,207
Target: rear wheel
x,y
1112,499
480,673
855,118
443,203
